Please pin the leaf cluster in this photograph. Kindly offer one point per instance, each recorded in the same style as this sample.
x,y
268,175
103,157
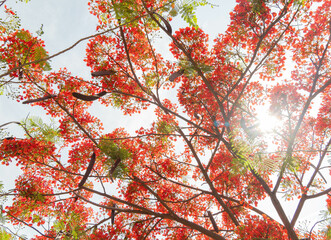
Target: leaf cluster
x,y
189,69
38,129
38,51
187,10
115,152
5,235
10,23
69,228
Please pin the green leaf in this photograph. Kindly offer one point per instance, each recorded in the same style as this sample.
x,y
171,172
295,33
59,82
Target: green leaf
x,y
189,69
24,35
38,129
40,53
36,218
40,31
114,152
5,235
10,23
164,127
187,10
126,11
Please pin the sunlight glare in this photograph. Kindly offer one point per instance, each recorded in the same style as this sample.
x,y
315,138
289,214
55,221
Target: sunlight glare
x,y
267,122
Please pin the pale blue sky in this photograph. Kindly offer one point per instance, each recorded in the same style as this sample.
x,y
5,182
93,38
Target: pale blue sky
x,y
65,22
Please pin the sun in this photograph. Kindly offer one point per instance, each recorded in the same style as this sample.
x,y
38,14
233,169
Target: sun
x,y
266,121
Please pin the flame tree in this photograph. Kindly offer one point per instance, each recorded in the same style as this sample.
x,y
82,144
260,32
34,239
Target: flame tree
x,y
204,163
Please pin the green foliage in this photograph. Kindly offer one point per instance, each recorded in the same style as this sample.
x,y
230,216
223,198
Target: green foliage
x,y
36,218
114,152
257,6
36,196
59,225
38,129
242,152
300,2
241,163
10,23
5,235
189,69
41,30
325,216
70,227
151,79
328,233
164,127
293,163
117,100
257,162
187,10
2,199
125,11
24,35
40,53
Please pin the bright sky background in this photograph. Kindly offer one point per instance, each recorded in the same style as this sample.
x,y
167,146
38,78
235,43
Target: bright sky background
x,y
65,22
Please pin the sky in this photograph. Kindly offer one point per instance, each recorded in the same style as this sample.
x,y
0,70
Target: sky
x,y
64,22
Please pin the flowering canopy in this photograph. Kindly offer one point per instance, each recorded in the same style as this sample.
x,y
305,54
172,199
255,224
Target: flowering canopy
x,y
203,165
